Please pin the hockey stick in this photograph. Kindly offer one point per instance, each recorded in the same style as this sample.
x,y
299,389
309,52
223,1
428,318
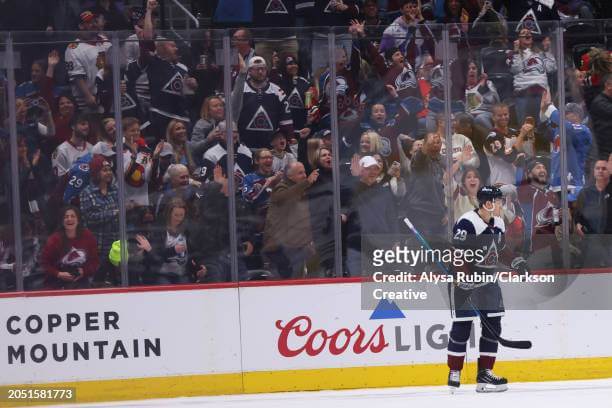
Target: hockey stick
x,y
517,344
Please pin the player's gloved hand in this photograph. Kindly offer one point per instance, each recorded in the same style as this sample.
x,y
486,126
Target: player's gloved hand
x,y
520,264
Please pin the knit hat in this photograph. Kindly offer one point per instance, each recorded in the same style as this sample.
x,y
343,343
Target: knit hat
x,y
535,161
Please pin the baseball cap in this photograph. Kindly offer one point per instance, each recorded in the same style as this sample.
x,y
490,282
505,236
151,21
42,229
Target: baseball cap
x,y
368,161
256,62
290,60
167,150
103,149
86,16
325,133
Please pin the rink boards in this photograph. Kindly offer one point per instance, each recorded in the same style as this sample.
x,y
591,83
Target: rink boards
x,y
125,344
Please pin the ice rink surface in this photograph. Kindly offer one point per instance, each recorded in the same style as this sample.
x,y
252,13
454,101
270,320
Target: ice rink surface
x,y
564,394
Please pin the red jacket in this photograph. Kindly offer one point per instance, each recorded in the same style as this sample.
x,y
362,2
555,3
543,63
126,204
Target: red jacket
x,y
58,256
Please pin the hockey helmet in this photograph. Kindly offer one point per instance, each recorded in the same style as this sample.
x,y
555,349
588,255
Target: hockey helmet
x,y
488,193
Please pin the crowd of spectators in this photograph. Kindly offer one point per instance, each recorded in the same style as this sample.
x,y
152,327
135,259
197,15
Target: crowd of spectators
x,y
390,91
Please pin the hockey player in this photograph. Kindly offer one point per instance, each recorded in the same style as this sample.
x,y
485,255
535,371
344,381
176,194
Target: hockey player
x,y
479,229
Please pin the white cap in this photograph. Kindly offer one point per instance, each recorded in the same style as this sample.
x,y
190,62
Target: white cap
x,y
256,62
167,150
103,149
368,161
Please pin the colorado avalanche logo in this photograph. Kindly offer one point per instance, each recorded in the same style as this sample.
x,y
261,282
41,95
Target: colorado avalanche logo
x,y
330,8
530,22
261,121
405,80
74,257
295,100
127,102
544,217
175,85
385,148
491,258
534,64
276,7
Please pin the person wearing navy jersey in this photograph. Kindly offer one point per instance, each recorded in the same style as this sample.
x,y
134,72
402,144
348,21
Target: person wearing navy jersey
x,y
294,86
481,229
264,107
169,80
217,155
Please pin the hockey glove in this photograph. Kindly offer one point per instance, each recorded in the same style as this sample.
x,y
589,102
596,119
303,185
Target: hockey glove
x,y
519,264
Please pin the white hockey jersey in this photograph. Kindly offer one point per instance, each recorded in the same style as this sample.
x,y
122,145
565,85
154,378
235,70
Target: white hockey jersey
x,y
530,68
82,62
65,155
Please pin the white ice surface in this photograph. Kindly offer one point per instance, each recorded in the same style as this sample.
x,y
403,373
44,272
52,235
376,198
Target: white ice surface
x,y
563,394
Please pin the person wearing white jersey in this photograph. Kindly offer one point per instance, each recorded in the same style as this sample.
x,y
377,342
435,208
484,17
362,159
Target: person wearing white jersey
x,y
77,146
83,61
530,65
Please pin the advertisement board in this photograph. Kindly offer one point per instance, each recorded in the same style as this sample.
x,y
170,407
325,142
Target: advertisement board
x,y
127,344
118,335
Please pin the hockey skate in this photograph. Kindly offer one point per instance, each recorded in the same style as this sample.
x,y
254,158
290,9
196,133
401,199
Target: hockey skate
x,y
487,381
454,380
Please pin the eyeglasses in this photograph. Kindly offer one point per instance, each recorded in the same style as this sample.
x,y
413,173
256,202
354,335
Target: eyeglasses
x,y
525,36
